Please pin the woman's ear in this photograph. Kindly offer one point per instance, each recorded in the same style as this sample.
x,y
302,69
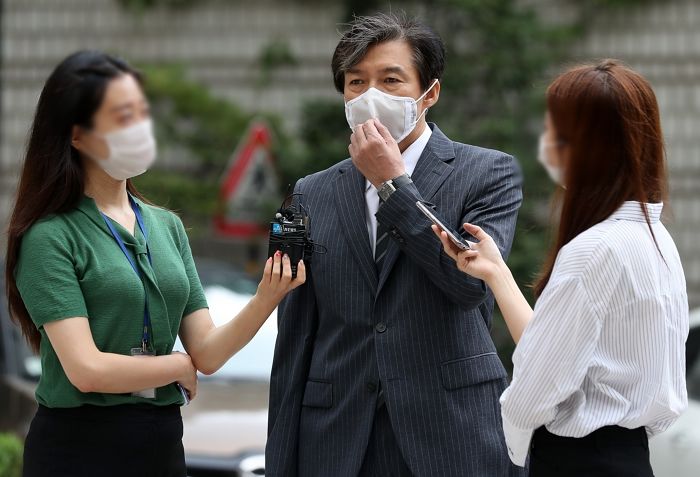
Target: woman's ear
x,y
76,137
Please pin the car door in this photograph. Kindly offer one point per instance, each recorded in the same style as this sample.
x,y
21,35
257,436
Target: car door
x,y
676,452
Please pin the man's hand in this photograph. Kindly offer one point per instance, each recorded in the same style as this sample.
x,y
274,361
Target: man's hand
x,y
375,153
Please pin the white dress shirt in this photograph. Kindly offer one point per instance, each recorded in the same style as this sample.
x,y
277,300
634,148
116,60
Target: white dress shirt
x,y
606,344
410,158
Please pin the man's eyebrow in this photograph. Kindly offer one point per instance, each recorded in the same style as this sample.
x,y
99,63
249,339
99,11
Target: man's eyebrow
x,y
394,69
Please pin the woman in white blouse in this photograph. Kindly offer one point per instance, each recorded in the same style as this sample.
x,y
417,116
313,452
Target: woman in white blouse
x,y
600,362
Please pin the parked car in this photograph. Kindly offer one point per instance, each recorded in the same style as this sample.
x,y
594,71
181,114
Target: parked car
x,y
19,372
676,452
225,427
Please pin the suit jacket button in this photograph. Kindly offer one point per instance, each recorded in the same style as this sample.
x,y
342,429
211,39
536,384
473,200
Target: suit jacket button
x,y
371,387
381,327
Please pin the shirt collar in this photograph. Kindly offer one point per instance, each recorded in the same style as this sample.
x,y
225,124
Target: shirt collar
x,y
632,211
412,153
88,206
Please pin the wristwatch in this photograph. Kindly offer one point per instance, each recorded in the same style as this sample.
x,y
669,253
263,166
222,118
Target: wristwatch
x,y
390,186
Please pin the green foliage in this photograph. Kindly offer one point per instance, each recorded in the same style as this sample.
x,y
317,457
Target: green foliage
x,y
274,55
321,142
191,117
201,129
11,450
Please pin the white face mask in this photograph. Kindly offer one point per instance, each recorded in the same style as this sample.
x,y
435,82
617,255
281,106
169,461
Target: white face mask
x,y
399,114
132,151
555,172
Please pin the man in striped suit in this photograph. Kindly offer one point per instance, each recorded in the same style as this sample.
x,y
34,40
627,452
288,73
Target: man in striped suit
x,y
384,365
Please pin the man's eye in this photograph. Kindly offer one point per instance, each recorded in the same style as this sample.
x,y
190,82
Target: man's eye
x,y
391,80
356,81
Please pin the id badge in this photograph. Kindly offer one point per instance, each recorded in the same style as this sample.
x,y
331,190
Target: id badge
x,y
145,393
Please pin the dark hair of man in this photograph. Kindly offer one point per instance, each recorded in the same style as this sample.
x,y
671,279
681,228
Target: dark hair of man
x,y
367,31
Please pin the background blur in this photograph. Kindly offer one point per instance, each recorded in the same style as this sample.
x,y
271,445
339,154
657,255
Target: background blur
x,y
217,70
213,66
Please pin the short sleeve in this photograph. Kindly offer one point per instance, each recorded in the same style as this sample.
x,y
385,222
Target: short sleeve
x,y
46,275
196,300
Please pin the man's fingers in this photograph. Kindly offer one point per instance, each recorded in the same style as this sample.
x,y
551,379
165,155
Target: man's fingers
x,y
360,136
371,131
353,147
383,131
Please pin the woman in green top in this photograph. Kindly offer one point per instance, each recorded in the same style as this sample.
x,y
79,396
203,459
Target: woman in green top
x,y
102,283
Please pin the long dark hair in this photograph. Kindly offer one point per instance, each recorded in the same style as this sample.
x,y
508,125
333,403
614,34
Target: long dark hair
x,y
52,179
608,116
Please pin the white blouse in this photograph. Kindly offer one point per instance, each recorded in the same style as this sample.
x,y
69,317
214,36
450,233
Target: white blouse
x,y
606,344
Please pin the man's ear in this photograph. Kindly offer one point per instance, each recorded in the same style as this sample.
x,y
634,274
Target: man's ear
x,y
433,95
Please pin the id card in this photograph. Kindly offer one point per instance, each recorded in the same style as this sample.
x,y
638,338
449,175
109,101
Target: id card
x,y
145,393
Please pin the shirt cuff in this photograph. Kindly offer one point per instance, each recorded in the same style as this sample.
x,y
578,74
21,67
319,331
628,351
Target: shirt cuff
x,y
400,209
517,441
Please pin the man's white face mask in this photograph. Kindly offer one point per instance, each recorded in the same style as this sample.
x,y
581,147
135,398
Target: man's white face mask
x,y
132,151
399,114
555,172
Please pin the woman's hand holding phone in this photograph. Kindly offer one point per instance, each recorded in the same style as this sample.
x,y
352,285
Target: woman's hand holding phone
x,y
484,258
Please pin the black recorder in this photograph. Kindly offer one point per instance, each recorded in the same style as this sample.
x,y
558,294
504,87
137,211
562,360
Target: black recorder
x,y
290,234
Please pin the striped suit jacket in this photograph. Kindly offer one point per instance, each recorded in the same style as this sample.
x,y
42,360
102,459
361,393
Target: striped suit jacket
x,y
420,327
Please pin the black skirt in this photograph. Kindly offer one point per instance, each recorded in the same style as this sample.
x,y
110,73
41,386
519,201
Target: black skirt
x,y
88,441
607,452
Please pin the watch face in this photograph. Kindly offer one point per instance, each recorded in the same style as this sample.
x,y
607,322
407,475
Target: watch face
x,y
386,190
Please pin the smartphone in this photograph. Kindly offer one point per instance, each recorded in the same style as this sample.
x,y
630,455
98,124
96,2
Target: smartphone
x,y
459,242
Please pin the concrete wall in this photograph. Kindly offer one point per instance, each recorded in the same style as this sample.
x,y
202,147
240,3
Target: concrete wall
x,y
662,41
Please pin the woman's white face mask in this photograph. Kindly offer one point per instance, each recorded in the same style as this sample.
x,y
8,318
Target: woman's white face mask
x,y
399,114
556,173
132,151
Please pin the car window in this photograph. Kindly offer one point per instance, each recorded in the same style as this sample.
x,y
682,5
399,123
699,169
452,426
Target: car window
x,y
692,353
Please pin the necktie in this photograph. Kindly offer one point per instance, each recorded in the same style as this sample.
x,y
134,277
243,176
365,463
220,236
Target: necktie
x,y
381,245
380,249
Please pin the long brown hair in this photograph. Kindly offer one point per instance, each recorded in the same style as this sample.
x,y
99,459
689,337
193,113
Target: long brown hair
x,y
52,179
608,117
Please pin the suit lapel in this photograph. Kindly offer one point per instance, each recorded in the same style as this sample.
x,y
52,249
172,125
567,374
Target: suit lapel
x,y
350,203
431,171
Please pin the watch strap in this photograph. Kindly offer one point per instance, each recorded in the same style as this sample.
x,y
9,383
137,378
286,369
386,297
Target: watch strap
x,y
401,181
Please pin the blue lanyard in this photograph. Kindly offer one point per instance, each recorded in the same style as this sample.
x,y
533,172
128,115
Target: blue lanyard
x,y
139,220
